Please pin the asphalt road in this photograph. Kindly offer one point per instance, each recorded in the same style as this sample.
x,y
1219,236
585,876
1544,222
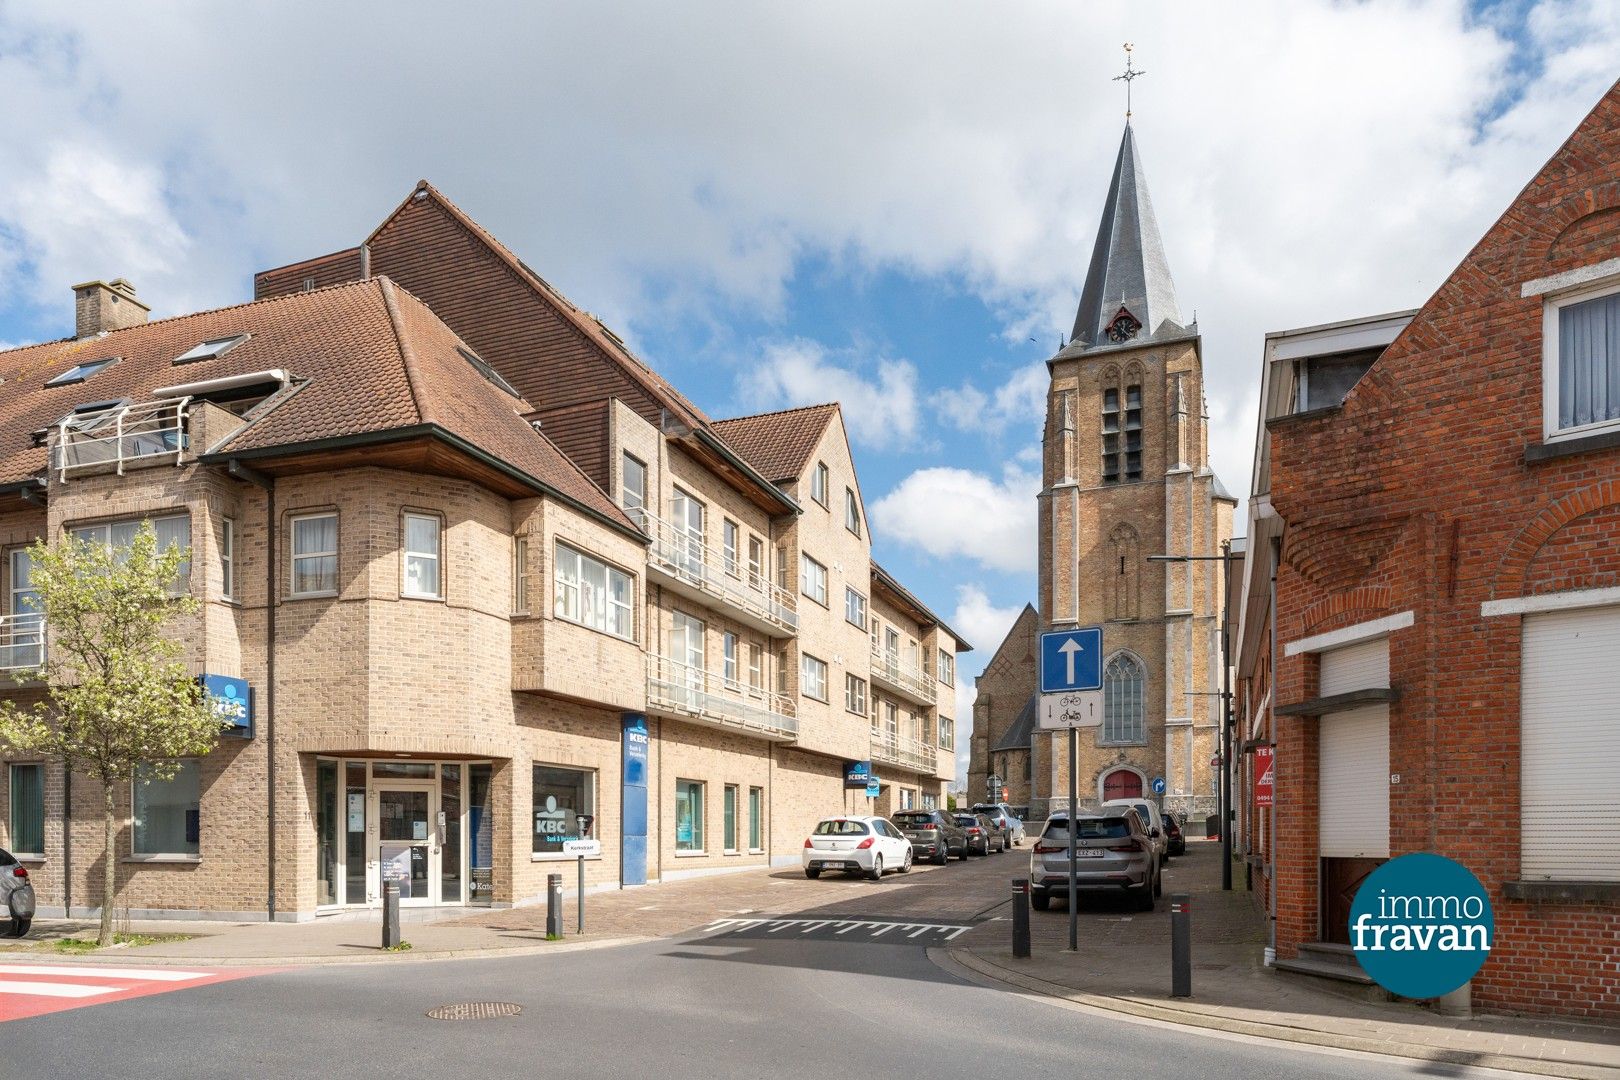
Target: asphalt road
x,y
743,1001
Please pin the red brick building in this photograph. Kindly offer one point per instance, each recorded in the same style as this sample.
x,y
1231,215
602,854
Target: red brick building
x,y
1446,645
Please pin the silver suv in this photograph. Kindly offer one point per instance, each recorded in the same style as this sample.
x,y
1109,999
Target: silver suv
x,y
1012,829
1114,853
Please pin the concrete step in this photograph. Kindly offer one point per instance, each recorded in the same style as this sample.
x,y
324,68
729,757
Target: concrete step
x,y
1322,968
1330,953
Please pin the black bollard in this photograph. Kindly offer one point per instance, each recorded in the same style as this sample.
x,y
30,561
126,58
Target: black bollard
x,y
1180,945
580,902
1020,917
390,915
554,906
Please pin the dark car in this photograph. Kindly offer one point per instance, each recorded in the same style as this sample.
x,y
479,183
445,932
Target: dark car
x,y
1002,816
933,834
1173,833
16,896
982,835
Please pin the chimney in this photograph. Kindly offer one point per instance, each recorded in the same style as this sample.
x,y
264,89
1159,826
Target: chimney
x,y
100,306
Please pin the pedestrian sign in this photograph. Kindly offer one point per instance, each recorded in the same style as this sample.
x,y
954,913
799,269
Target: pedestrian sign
x,y
1158,785
1071,660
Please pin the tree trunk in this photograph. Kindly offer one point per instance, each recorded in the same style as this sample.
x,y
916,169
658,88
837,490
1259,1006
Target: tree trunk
x,y
109,862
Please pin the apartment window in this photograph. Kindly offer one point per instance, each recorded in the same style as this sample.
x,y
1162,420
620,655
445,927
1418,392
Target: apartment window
x,y
756,819
1121,433
813,676
227,559
594,594
728,812
728,546
855,694
1582,367
891,644
633,486
875,625
1124,682
564,807
688,815
854,607
818,483
314,554
171,532
756,665
689,543
520,575
756,562
167,814
947,667
28,810
852,511
423,538
728,644
891,720
813,579
906,802
947,733
930,802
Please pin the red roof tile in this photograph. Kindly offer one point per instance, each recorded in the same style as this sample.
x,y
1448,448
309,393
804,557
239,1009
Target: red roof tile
x,y
778,444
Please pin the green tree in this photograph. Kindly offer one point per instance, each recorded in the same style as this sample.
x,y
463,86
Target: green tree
x,y
118,699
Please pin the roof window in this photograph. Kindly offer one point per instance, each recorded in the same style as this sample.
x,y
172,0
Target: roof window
x,y
212,349
486,371
80,372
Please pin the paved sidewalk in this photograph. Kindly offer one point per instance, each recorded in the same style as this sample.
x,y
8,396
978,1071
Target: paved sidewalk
x,y
1123,964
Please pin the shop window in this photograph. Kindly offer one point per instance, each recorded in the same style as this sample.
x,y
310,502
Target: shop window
x,y
564,807
28,810
167,811
688,816
314,554
423,540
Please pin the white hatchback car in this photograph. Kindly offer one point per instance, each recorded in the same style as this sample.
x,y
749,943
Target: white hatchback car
x,y
860,845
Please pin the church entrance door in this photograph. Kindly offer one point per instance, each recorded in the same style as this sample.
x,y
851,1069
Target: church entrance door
x,y
1122,784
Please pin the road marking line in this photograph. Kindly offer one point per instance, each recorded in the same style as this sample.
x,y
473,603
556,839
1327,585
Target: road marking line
x,y
959,930
885,928
96,971
60,990
816,926
848,928
920,930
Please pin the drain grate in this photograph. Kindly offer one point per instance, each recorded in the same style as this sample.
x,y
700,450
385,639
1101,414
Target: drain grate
x,y
476,1010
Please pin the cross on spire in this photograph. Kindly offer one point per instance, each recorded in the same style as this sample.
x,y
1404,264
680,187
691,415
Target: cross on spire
x,y
1130,75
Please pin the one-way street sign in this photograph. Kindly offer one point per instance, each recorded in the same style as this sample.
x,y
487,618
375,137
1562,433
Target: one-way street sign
x,y
1071,660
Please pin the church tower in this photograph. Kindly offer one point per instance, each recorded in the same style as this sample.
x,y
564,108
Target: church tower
x,y
1126,476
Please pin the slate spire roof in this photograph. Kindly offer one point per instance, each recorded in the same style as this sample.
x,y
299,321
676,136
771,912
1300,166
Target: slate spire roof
x,y
1128,272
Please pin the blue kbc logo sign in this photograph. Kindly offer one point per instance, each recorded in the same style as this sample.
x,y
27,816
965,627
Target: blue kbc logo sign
x,y
1421,926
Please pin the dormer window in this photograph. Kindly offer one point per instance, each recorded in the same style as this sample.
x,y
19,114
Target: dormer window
x,y
212,349
80,372
483,368
1582,362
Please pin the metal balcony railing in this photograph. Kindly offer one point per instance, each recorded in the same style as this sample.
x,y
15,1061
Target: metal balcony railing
x,y
674,687
906,753
22,642
902,677
686,558
119,433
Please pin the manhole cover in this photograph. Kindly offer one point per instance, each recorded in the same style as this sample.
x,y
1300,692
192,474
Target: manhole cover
x,y
475,1010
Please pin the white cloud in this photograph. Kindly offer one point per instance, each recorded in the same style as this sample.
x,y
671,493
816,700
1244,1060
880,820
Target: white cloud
x,y
1020,399
955,513
879,406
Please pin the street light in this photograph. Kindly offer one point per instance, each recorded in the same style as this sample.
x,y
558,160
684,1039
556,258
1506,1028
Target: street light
x,y
1224,797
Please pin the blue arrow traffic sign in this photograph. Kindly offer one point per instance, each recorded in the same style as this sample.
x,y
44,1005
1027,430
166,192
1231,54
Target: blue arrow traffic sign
x,y
1071,660
1158,785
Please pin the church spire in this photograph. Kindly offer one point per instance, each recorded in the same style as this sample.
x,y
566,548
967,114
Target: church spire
x,y
1128,292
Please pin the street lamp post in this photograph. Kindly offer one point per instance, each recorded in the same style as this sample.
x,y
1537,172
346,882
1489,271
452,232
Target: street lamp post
x,y
1224,791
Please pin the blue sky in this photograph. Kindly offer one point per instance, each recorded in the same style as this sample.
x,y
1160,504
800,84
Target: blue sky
x,y
778,204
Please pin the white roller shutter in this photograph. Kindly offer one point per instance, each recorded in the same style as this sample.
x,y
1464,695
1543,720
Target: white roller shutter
x,y
1355,667
1569,763
1353,783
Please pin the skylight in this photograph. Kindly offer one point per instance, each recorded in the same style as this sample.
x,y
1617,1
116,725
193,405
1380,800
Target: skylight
x,y
487,372
212,349
80,372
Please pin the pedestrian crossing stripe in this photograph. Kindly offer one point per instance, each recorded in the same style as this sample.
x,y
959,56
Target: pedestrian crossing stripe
x,y
28,990
872,927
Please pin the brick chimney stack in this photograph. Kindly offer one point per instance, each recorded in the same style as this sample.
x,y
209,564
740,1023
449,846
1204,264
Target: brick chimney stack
x,y
99,306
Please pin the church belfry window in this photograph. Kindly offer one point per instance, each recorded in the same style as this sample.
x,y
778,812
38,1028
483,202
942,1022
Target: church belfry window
x,y
1121,433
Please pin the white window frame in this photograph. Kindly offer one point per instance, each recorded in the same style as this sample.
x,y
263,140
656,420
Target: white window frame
x,y
852,597
820,480
568,571
807,665
638,502
854,694
227,558
852,511
520,575
294,555
947,667
406,554
807,578
1551,432
947,733
730,531
728,655
757,569
756,665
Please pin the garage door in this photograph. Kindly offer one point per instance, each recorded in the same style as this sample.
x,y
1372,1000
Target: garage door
x,y
1570,741
1353,766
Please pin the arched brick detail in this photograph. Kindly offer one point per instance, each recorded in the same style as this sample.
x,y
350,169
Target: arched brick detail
x,y
1539,237
1374,600
1516,560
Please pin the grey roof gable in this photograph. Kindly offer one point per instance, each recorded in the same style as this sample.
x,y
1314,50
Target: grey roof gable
x,y
1128,268
1017,735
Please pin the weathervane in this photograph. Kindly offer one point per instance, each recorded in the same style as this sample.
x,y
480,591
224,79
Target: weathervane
x,y
1130,74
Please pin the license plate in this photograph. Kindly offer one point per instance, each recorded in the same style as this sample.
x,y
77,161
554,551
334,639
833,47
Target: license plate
x,y
1089,853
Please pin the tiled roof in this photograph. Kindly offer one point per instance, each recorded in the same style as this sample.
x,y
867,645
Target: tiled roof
x,y
1016,737
366,358
778,444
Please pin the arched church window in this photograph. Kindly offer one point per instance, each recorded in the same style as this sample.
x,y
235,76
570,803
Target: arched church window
x,y
1124,694
1124,548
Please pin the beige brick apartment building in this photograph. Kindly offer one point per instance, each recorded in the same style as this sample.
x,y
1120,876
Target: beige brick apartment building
x,y
489,583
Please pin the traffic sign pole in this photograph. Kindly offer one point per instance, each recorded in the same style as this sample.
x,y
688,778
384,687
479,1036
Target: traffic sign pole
x,y
1074,830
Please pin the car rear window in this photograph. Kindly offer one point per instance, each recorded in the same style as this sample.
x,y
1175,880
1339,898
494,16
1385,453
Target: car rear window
x,y
987,809
1112,828
6,859
841,827
913,820
966,819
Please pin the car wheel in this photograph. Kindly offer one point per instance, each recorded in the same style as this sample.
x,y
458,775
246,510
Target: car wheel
x,y
19,927
1039,901
905,865
942,855
964,855
1144,898
1158,884
812,872
876,873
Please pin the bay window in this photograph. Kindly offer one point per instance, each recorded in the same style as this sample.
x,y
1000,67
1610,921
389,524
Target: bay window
x,y
594,594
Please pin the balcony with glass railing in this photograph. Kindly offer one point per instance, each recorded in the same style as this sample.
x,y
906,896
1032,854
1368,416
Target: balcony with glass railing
x,y
119,435
899,677
697,696
907,753
683,563
22,642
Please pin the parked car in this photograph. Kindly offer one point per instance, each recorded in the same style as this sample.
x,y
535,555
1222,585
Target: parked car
x,y
859,845
933,834
1114,853
982,835
1174,837
16,895
1152,818
1010,823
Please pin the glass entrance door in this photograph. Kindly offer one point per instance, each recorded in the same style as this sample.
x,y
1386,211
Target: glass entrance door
x,y
408,840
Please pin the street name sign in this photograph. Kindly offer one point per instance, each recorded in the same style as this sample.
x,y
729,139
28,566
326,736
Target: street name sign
x,y
1071,660
587,848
